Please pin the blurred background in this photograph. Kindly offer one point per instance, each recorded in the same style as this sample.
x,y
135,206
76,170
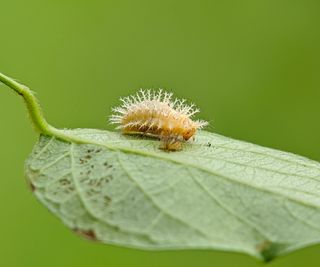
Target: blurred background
x,y
251,66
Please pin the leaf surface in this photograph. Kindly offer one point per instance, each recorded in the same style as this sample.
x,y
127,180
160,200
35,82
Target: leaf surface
x,y
217,193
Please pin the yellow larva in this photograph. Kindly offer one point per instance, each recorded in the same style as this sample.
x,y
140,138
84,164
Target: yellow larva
x,y
155,113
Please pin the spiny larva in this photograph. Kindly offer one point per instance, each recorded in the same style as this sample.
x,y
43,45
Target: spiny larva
x,y
156,113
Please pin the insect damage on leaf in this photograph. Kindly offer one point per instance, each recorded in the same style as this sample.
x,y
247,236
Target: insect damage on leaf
x,y
87,234
157,114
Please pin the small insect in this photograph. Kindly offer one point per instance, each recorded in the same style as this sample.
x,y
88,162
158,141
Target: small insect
x,y
157,114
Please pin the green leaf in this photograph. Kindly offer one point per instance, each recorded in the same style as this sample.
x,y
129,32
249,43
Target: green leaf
x,y
216,193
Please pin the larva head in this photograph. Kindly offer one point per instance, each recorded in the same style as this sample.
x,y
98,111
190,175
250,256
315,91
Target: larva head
x,y
192,127
188,133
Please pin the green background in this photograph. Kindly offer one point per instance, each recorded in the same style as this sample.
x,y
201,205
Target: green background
x,y
251,66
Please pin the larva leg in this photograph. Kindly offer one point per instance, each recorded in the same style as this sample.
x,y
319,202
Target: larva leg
x,y
171,143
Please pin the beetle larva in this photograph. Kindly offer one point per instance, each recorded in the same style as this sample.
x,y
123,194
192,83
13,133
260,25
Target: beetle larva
x,y
155,113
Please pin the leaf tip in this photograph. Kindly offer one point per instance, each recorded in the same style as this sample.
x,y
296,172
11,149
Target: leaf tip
x,y
268,250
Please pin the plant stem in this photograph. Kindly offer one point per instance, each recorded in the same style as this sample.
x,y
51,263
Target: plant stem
x,y
32,104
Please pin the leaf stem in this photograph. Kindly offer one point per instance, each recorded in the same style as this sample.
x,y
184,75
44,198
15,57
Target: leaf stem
x,y
33,106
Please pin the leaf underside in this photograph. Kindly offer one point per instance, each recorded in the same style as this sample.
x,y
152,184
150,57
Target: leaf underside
x,y
217,193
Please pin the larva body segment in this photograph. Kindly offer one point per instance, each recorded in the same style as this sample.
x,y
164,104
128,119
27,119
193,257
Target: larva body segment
x,y
155,113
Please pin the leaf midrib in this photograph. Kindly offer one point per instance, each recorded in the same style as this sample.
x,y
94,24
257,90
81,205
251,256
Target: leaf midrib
x,y
76,139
